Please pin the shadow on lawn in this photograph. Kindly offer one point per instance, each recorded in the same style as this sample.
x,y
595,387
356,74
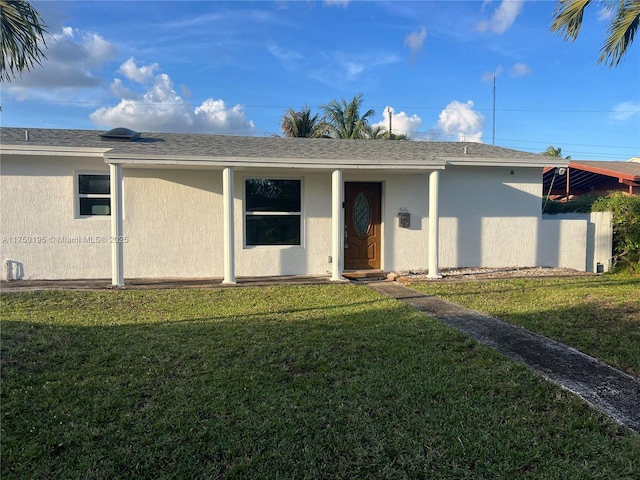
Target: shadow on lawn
x,y
365,389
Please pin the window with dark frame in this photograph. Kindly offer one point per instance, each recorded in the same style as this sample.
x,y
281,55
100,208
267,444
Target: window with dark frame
x,y
273,212
94,194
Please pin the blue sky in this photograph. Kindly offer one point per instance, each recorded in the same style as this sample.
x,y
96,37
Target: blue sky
x,y
236,67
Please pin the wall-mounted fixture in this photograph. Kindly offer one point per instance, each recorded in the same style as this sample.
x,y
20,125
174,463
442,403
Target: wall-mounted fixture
x,y
404,218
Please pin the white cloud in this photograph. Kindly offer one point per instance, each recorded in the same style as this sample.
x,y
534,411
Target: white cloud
x,y
487,77
73,56
161,109
138,74
460,122
353,69
502,18
625,110
519,70
284,55
119,90
415,41
341,69
336,3
215,115
605,13
401,123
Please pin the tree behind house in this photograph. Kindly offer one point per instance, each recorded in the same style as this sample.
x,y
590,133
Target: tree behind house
x,y
343,120
300,124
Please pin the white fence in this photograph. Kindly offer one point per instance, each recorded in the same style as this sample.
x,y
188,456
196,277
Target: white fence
x,y
582,241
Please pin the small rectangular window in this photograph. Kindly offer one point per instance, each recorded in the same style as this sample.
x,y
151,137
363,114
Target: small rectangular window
x,y
273,212
94,194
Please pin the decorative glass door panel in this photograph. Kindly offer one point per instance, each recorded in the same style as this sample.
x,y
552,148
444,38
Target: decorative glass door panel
x,y
363,241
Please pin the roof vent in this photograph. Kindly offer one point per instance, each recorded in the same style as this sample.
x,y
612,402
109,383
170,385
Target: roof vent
x,y
120,135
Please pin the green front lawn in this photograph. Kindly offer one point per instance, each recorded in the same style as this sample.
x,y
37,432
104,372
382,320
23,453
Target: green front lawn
x,y
599,315
329,381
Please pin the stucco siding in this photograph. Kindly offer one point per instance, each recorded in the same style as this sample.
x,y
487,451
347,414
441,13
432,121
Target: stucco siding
x,y
42,237
173,223
406,248
489,216
582,241
564,243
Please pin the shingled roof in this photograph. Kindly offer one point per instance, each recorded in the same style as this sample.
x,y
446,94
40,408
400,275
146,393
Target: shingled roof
x,y
196,148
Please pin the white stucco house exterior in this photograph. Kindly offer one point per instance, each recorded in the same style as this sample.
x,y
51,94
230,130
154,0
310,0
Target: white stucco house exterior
x,y
80,204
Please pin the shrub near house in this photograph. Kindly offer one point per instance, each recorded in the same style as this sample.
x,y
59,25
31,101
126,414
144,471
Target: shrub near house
x,y
626,228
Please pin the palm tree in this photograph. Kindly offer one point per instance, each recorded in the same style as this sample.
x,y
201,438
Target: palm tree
x,y
22,30
300,124
377,132
396,136
343,120
554,152
567,21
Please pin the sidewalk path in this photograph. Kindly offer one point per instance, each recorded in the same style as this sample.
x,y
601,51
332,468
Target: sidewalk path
x,y
611,391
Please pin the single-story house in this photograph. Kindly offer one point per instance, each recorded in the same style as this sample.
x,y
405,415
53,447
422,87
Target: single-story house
x,y
81,204
590,177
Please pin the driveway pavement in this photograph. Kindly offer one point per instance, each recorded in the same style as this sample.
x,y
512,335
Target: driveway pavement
x,y
611,391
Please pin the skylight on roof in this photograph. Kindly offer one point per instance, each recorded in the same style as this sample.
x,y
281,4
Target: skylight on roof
x,y
120,134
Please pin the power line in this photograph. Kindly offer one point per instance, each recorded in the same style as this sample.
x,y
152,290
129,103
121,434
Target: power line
x,y
427,134
284,107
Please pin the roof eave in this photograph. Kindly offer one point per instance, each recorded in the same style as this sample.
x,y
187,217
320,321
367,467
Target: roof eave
x,y
40,150
505,162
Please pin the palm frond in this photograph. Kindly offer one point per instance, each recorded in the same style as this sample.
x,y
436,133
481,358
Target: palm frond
x,y
22,33
622,30
568,16
299,124
344,118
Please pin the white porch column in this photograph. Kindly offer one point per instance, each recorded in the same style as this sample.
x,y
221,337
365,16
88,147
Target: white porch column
x,y
337,225
117,245
434,220
229,233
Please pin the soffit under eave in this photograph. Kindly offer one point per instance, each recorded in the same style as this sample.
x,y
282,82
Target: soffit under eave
x,y
243,163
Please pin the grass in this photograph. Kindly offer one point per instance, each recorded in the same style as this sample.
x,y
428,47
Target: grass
x,y
599,316
330,381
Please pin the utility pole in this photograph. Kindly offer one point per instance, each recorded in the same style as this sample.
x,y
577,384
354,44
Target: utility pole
x,y
390,115
494,107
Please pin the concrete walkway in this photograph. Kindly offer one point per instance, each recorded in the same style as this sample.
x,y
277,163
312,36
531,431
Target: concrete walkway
x,y
611,391
158,283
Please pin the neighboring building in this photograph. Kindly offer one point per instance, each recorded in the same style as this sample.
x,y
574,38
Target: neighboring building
x,y
81,204
587,177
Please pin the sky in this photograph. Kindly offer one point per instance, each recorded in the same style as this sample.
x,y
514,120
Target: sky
x,y
236,67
